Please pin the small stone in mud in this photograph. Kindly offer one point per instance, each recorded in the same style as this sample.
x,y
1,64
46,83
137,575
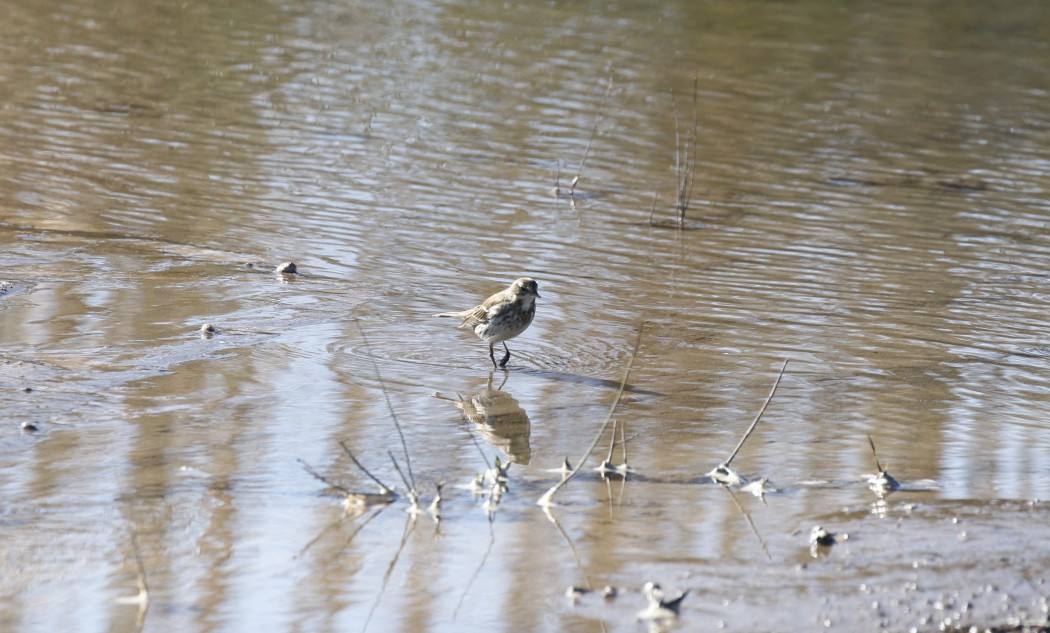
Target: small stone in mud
x,y
660,608
208,330
29,427
287,268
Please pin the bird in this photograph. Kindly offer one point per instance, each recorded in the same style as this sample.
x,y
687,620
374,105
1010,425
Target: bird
x,y
502,316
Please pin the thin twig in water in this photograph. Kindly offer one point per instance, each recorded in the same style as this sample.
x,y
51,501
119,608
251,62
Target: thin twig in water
x,y
548,498
409,525
875,455
685,154
623,442
881,482
143,585
383,487
389,405
607,465
686,191
625,468
677,147
326,481
607,468
142,597
750,523
343,519
594,133
354,500
412,494
474,576
758,417
572,546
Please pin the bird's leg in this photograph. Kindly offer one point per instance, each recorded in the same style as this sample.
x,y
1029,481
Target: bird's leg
x,y
492,355
503,363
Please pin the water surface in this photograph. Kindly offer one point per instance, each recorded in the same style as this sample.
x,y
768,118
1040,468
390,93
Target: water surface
x,y
868,201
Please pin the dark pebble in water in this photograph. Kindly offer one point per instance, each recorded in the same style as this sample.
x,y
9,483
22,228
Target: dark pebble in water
x,y
27,389
286,268
575,591
820,536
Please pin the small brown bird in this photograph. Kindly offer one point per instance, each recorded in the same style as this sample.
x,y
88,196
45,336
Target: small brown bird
x,y
502,316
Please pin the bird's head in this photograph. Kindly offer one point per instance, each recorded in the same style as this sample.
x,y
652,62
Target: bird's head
x,y
526,286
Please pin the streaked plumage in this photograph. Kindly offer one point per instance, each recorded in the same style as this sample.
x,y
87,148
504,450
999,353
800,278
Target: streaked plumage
x,y
502,316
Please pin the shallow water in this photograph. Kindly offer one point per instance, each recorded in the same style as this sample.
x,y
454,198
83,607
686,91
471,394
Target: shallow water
x,y
869,202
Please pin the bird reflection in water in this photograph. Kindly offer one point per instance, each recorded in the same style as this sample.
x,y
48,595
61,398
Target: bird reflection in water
x,y
499,419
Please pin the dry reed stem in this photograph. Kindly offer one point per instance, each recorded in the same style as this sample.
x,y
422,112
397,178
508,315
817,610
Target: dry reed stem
x,y
684,153
652,209
383,487
411,481
548,498
594,133
326,481
412,493
750,522
758,417
874,454
686,189
142,597
474,576
410,524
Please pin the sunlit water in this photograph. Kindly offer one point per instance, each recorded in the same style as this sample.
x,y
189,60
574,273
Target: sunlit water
x,y
868,201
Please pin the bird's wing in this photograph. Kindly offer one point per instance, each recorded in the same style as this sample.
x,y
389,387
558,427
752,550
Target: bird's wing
x,y
476,315
471,314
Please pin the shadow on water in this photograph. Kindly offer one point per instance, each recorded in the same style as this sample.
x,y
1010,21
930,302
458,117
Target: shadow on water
x,y
580,379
